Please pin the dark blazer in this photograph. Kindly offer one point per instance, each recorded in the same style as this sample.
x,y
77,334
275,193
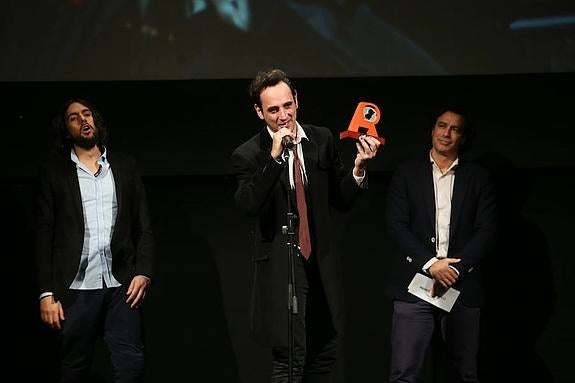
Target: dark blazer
x,y
60,224
411,224
262,193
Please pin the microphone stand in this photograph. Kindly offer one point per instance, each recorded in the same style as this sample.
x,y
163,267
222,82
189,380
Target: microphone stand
x,y
289,230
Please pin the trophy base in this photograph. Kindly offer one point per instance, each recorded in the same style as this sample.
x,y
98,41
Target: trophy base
x,y
355,135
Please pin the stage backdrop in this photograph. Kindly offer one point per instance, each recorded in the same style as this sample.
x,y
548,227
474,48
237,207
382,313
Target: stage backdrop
x,y
183,132
82,40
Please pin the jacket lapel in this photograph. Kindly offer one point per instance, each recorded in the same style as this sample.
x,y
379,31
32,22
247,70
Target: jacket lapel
x,y
459,191
117,170
310,154
428,191
74,186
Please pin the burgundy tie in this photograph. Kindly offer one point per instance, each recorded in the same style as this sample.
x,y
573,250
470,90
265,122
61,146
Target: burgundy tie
x,y
304,238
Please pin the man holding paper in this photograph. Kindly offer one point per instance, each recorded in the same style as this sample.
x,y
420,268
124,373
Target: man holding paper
x,y
441,216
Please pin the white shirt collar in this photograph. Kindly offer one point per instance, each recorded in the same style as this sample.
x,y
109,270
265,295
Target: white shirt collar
x,y
453,165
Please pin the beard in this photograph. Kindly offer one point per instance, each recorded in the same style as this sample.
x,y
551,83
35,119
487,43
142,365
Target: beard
x,y
86,142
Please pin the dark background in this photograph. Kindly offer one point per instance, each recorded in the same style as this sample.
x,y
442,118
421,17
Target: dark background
x,y
172,85
183,132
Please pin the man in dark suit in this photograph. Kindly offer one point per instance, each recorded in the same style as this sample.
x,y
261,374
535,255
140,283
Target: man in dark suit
x,y
94,247
267,178
441,214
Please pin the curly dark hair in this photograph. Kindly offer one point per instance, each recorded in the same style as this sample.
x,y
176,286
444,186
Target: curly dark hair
x,y
266,78
63,139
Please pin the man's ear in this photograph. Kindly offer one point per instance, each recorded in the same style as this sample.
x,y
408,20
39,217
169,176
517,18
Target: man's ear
x,y
259,111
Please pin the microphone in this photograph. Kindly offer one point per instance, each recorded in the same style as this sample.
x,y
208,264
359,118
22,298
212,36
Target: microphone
x,y
287,142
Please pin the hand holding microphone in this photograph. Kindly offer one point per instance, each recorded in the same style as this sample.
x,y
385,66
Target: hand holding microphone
x,y
283,140
287,142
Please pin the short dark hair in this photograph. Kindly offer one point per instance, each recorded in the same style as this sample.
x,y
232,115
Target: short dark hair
x,y
63,140
266,78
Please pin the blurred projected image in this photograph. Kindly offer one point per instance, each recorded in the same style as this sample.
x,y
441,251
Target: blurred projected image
x,y
189,39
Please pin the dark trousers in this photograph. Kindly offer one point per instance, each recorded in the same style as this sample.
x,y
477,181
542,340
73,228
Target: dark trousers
x,y
412,330
93,313
315,338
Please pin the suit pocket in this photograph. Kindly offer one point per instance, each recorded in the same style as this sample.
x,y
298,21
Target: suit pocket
x,y
263,251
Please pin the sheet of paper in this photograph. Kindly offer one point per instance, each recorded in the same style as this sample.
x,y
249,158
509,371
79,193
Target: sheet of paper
x,y
420,286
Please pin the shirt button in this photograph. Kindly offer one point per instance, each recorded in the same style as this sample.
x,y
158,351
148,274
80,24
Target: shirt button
x,y
432,239
409,259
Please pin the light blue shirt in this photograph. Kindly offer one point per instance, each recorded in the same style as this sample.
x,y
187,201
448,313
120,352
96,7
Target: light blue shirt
x,y
100,208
